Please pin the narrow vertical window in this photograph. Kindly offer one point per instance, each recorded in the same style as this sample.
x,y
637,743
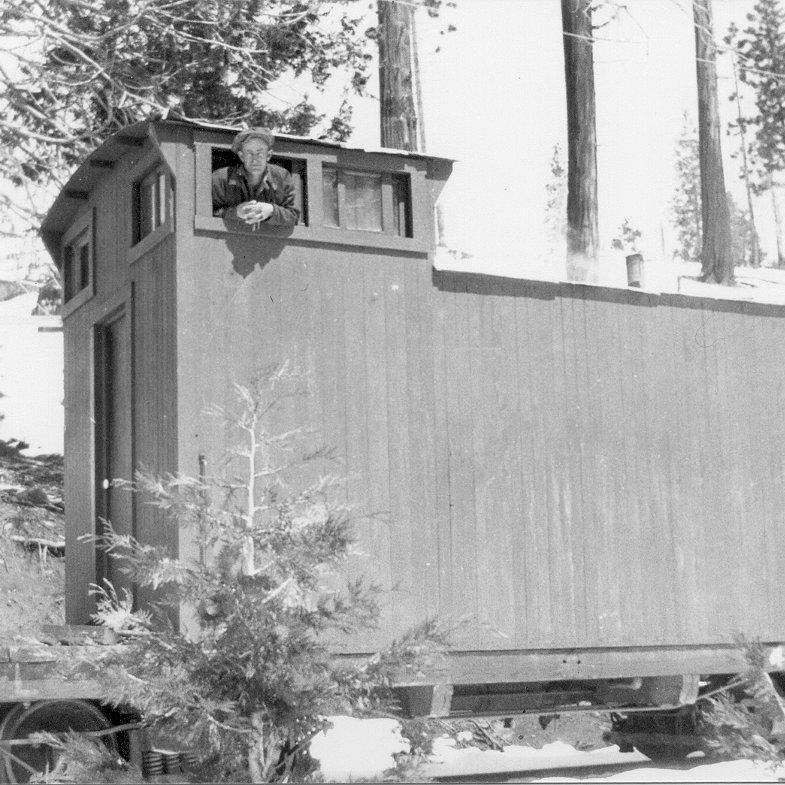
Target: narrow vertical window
x,y
77,265
69,288
402,209
149,201
84,266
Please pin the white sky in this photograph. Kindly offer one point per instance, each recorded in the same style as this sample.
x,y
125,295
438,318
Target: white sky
x,y
494,100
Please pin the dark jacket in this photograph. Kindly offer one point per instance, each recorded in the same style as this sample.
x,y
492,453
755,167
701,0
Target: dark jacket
x,y
231,187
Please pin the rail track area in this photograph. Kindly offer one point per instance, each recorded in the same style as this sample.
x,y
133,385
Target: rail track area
x,y
580,746
586,771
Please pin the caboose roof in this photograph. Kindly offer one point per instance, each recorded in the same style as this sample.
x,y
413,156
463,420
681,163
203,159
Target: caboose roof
x,y
103,158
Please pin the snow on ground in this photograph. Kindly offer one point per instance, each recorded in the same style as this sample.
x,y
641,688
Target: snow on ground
x,y
355,749
764,284
726,771
447,760
31,376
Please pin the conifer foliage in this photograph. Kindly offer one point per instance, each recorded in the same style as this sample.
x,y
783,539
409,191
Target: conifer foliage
x,y
249,683
686,201
761,48
76,71
761,68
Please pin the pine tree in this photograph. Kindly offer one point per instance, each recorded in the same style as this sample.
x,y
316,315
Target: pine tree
x,y
81,70
556,203
745,237
761,66
686,201
249,684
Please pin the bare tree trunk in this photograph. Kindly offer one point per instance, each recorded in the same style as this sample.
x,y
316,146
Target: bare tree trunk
x,y
776,206
582,232
396,89
717,253
755,253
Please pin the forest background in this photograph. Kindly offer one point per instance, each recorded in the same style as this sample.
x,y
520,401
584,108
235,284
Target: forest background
x,y
493,98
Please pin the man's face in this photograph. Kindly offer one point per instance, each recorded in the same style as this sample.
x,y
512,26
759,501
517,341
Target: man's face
x,y
255,154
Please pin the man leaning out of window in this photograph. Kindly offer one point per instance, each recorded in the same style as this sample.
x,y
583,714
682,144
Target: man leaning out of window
x,y
256,191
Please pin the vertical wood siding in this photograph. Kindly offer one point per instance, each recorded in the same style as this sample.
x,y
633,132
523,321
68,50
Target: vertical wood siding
x,y
79,498
148,285
543,465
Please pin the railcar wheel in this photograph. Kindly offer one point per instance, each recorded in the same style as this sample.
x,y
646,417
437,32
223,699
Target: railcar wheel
x,y
57,716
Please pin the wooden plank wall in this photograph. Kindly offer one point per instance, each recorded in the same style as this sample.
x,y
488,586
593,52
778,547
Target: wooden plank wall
x,y
148,286
648,461
544,465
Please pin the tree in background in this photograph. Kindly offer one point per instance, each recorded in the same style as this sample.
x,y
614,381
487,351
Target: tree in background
x,y
399,117
686,201
746,250
77,71
756,252
582,224
717,248
761,67
556,203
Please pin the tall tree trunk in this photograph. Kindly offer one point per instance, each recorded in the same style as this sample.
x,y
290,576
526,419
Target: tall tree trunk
x,y
400,89
582,232
396,89
776,206
755,252
717,252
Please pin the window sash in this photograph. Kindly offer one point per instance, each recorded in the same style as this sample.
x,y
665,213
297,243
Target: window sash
x,y
150,199
366,201
77,264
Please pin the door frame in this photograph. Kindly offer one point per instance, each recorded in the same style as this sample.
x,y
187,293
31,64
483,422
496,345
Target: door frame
x,y
113,309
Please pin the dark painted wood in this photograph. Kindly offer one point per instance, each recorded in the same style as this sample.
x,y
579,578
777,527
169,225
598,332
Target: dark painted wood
x,y
543,466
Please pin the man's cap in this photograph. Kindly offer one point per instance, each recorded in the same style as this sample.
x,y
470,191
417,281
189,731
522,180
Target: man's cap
x,y
265,134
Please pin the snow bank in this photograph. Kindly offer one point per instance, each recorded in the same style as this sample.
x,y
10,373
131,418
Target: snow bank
x,y
762,284
357,749
31,376
447,760
727,771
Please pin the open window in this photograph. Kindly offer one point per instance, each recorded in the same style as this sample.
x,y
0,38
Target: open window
x,y
222,156
366,201
78,264
149,203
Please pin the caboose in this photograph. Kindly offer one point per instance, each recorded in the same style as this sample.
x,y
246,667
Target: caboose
x,y
589,479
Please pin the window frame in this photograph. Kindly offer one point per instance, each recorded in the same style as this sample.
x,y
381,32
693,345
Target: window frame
x,y
81,234
390,216
148,166
300,181
316,154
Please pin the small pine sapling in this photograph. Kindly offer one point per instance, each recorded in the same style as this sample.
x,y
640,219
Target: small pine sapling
x,y
249,683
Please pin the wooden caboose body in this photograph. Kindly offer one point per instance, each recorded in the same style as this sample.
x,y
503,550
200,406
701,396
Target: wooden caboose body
x,y
589,479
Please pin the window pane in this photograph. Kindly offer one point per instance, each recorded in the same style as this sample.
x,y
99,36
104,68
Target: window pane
x,y
146,207
363,201
84,266
68,273
329,196
402,214
160,196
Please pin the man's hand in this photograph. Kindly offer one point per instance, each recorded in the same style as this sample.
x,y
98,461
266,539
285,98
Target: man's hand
x,y
254,212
